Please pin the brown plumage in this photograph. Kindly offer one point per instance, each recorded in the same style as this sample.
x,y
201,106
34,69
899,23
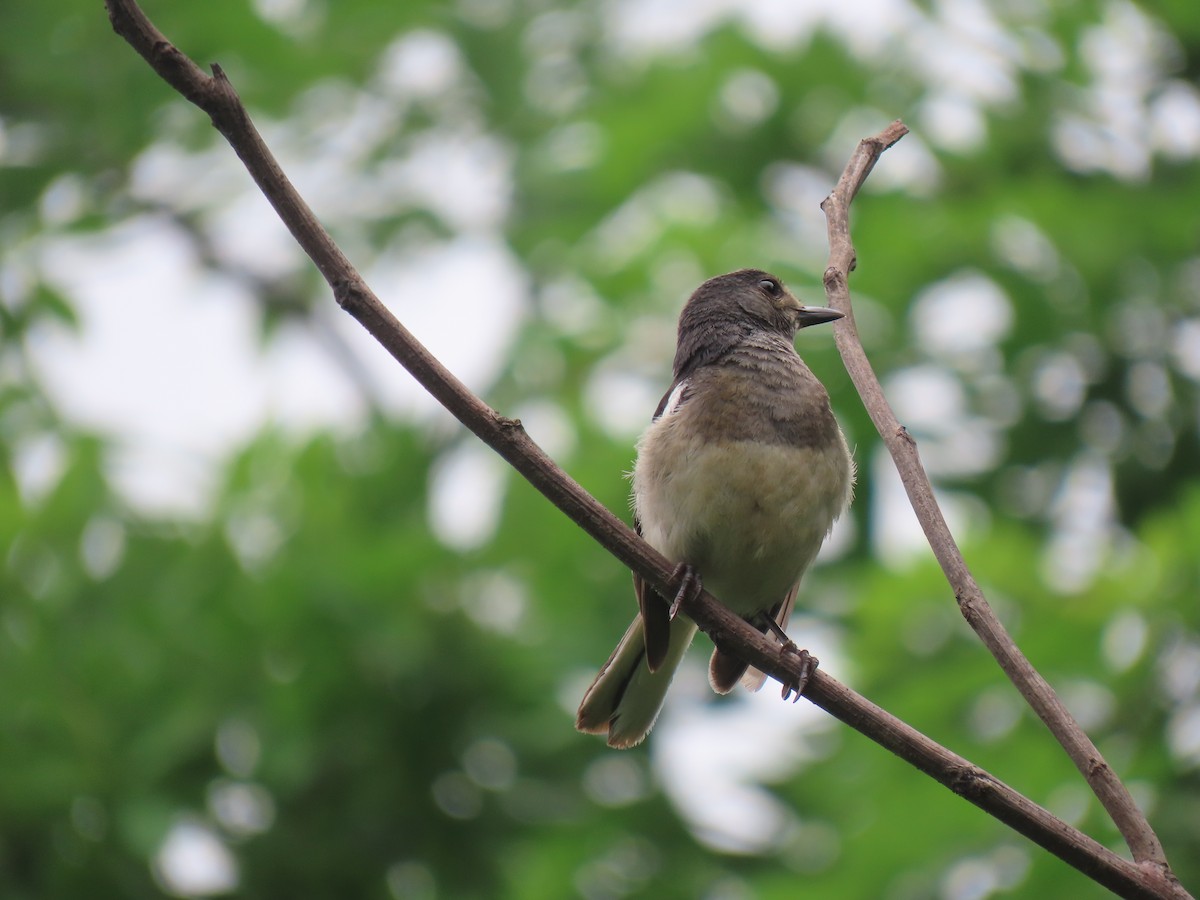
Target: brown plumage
x,y
740,476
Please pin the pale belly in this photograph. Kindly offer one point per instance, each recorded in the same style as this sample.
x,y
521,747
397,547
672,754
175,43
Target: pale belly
x,y
749,516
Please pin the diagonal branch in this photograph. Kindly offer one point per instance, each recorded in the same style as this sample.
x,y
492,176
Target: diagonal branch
x,y
215,95
1115,797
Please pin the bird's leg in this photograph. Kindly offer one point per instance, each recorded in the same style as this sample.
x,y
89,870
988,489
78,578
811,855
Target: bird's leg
x,y
690,586
808,662
773,627
808,665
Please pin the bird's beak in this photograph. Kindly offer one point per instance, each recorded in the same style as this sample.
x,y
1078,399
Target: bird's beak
x,y
815,315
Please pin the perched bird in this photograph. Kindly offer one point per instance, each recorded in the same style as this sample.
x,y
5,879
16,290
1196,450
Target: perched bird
x,y
739,478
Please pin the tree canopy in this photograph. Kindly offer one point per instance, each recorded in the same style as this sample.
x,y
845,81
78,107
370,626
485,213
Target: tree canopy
x,y
270,623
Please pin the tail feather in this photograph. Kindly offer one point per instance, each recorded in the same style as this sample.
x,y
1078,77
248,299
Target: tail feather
x,y
725,670
626,696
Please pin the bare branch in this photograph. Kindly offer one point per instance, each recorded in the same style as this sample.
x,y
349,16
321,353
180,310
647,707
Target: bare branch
x,y
216,96
1134,827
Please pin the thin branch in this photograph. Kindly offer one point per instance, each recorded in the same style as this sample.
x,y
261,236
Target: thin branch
x,y
1134,827
216,96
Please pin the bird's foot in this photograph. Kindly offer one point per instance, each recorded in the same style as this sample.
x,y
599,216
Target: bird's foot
x,y
808,665
690,585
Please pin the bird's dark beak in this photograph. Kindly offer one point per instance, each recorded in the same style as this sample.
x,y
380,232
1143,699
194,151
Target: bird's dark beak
x,y
815,315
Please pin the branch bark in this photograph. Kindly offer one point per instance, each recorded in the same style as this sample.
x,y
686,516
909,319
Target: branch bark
x,y
216,96
1112,793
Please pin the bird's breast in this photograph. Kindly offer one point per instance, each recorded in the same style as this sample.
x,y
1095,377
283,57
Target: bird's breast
x,y
749,515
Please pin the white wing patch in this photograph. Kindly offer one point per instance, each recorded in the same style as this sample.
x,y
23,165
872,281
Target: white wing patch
x,y
674,399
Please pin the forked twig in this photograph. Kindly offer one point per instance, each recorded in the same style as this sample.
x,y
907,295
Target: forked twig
x,y
1114,796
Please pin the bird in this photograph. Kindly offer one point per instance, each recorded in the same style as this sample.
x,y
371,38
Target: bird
x,y
738,480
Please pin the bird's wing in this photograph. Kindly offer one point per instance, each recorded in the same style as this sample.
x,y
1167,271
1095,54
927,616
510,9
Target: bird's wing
x,y
656,619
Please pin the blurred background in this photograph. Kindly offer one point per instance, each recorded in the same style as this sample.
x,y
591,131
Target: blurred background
x,y
272,624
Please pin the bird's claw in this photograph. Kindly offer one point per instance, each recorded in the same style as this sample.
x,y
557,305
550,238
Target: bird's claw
x,y
808,665
690,586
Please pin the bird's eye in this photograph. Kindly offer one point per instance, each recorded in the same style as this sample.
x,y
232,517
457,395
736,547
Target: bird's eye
x,y
770,286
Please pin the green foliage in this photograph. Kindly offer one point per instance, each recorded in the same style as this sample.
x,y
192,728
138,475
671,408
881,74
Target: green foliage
x,y
360,692
354,708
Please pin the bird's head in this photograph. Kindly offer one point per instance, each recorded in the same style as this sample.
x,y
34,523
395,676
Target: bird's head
x,y
753,297
725,310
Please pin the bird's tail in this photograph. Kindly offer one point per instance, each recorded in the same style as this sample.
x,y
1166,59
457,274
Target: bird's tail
x,y
626,696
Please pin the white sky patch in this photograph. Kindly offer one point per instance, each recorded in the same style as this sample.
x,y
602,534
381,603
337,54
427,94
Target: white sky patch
x,y
952,121
1175,120
642,28
64,200
465,495
1116,123
966,47
246,233
193,862
867,27
341,148
968,60
102,546
1179,671
984,875
1185,348
622,403
573,146
731,746
747,97
841,540
573,308
168,360
38,462
295,18
421,63
960,44
464,300
931,402
896,534
1083,526
1059,385
961,315
673,198
1022,246
650,27
164,357
244,809
1183,735
188,180
460,174
927,398
498,601
796,192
